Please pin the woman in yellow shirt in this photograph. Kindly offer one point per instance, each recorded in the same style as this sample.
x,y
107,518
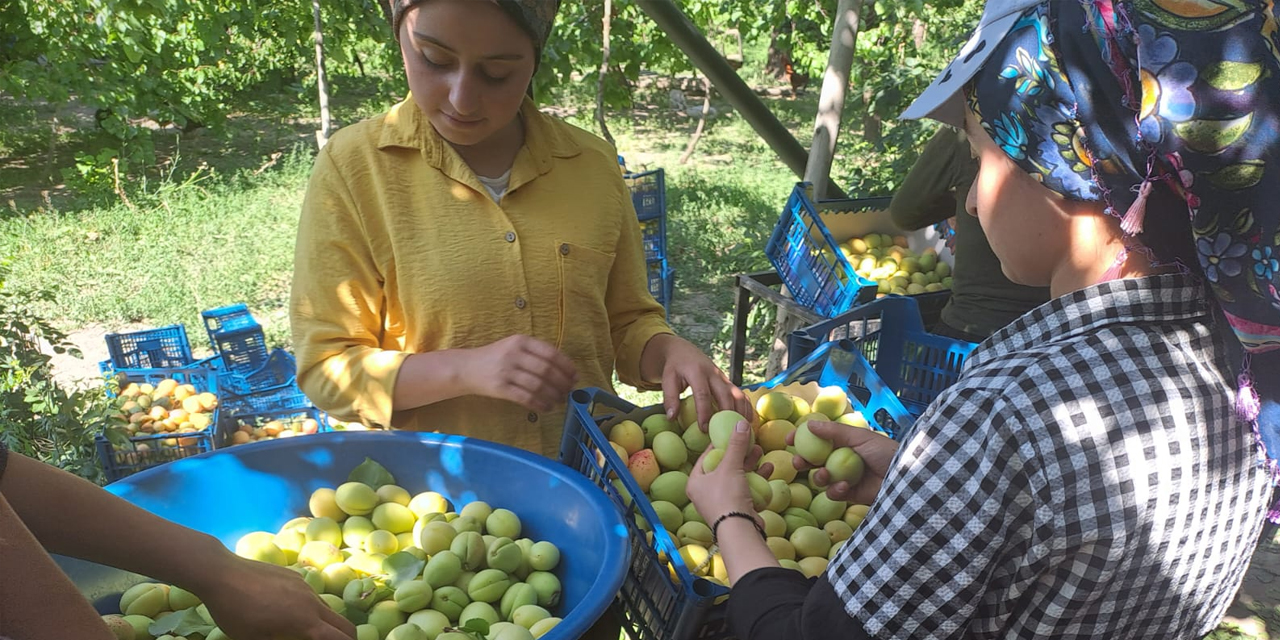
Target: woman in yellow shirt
x,y
464,261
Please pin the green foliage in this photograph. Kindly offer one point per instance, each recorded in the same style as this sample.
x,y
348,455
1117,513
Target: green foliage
x,y
143,63
39,418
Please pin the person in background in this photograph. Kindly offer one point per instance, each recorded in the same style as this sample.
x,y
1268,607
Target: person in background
x,y
1099,469
464,261
46,510
983,300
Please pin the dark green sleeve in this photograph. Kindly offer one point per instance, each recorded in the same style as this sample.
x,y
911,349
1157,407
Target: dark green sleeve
x,y
927,195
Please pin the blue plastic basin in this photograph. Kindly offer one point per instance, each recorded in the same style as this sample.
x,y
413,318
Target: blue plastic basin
x,y
259,487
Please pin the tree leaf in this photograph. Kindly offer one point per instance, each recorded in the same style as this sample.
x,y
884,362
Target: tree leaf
x,y
477,625
182,623
371,473
401,567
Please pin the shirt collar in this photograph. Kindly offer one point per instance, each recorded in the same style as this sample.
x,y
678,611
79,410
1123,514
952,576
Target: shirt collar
x,y
406,126
1149,299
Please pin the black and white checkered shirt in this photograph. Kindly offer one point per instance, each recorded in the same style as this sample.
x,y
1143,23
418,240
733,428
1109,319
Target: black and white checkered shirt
x,y
1085,478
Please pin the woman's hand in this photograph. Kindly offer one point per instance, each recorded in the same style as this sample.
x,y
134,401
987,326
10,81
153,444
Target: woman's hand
x,y
877,451
725,489
521,369
250,599
684,366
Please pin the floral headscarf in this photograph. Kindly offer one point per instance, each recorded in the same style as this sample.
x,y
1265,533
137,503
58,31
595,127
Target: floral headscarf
x,y
1167,103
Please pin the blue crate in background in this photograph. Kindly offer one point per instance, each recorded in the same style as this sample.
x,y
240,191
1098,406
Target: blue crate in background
x,y
229,319
661,282
810,262
165,347
653,232
288,416
279,370
146,451
915,365
649,194
280,398
236,336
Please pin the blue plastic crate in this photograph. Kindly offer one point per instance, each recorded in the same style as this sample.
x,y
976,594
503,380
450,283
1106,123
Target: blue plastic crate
x,y
914,364
810,262
280,370
165,347
272,482
649,195
280,398
654,606
653,233
119,462
288,416
237,337
661,281
653,603
229,319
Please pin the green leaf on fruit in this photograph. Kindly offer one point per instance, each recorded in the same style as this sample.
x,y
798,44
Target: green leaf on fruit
x,y
477,625
371,473
182,623
402,567
356,616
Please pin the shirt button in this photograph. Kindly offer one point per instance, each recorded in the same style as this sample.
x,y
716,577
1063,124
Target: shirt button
x,y
533,417
519,303
511,236
564,249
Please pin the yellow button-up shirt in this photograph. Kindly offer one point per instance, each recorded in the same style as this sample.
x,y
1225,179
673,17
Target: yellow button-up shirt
x,y
401,250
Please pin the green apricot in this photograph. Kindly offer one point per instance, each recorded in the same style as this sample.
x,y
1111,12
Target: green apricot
x,y
825,509
481,610
517,595
670,450
386,615
469,547
413,595
505,555
450,601
543,556
488,585
548,587
529,615
431,621
442,569
503,523
668,514
670,487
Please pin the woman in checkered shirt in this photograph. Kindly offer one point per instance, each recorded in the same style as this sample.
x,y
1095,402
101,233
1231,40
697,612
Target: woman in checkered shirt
x,y
1097,471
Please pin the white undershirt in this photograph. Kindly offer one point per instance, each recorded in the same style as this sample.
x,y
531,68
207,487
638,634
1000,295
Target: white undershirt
x,y
496,186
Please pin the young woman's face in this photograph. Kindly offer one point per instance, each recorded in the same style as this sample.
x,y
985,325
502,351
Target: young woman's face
x,y
1027,225
468,65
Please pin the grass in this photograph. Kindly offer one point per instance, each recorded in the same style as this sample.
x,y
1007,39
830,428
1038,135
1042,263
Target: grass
x,y
220,226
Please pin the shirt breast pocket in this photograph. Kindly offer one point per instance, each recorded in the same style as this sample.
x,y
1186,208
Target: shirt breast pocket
x,y
584,282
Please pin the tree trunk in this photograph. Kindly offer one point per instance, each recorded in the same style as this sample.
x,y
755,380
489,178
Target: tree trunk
x,y
322,82
871,124
702,124
835,83
826,131
604,70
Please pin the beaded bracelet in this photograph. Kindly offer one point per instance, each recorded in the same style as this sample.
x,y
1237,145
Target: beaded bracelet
x,y
715,527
